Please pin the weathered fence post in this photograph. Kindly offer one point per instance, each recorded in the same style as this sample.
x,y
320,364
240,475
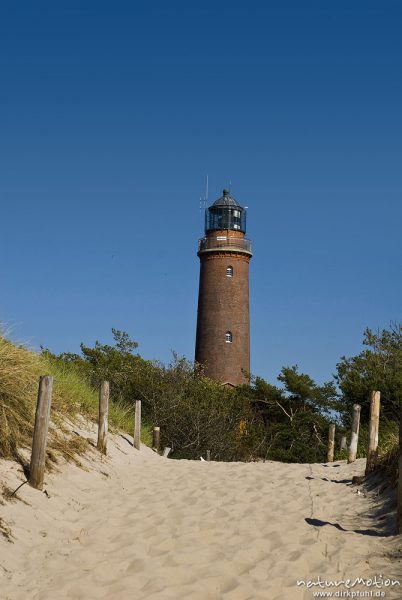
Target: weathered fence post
x,y
42,416
103,416
137,425
343,445
399,505
372,449
156,439
331,443
354,435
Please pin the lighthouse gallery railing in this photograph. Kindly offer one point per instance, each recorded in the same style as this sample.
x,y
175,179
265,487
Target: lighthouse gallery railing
x,y
229,243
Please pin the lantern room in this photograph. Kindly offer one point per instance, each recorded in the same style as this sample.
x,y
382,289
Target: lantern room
x,y
225,213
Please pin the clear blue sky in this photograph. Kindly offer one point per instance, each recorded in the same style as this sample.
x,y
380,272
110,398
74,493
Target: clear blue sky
x,y
112,114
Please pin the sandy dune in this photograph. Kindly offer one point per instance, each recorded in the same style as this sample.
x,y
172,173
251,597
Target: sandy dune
x,y
136,526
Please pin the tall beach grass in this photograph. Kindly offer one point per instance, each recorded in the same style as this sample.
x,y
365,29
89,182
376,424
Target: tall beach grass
x,y
20,369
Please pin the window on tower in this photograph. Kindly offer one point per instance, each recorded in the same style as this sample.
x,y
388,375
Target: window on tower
x,y
228,337
229,271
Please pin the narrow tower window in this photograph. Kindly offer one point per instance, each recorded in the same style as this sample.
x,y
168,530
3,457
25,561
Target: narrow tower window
x,y
229,271
228,337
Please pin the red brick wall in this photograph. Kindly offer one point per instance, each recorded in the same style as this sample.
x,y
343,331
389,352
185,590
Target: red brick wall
x,y
223,305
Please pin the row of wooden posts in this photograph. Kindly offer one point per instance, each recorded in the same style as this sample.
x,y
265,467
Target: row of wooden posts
x,y
103,422
372,446
42,417
41,427
372,449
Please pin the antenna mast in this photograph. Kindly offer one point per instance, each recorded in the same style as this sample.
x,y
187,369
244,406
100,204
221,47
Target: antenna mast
x,y
203,201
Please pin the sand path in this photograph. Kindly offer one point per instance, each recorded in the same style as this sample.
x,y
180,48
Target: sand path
x,y
142,527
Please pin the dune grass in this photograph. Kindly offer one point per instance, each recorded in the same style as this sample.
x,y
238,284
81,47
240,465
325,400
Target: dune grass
x,y
20,370
389,456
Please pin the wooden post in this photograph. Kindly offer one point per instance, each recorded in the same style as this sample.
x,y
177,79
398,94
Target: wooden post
x,y
399,505
372,449
103,416
343,445
331,443
42,416
354,435
156,439
208,455
137,425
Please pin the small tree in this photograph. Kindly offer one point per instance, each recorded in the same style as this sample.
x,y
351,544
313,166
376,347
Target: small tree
x,y
296,416
378,367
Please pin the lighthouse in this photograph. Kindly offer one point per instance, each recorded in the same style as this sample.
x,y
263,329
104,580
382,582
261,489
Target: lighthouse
x,y
223,321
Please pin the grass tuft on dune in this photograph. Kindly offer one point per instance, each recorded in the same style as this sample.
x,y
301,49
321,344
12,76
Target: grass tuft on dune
x,y
20,370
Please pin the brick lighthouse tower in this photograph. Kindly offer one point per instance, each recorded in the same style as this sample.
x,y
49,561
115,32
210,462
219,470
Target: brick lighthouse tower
x,y
223,322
